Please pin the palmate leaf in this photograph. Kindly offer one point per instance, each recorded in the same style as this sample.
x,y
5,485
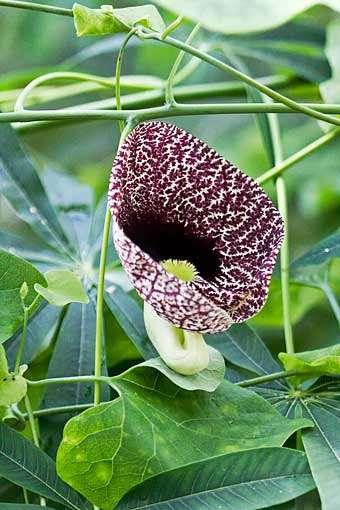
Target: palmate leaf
x,y
323,449
22,187
155,426
228,16
26,465
245,480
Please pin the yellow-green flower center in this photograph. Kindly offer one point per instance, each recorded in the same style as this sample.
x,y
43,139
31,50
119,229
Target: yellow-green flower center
x,y
182,269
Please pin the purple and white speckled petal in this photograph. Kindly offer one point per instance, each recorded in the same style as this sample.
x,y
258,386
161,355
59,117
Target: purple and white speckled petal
x,y
173,197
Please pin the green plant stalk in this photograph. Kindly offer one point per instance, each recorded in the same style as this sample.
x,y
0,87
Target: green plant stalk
x,y
270,377
175,24
298,156
58,410
100,307
22,98
284,252
169,94
69,380
157,112
35,434
22,340
37,7
118,74
243,77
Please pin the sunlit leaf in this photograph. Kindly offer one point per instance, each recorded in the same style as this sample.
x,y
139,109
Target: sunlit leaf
x,y
108,20
313,363
206,380
13,387
245,480
63,287
13,272
238,16
155,426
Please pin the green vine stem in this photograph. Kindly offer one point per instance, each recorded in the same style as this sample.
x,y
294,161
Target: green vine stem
x,y
284,252
169,29
37,7
22,340
35,434
22,98
118,74
70,380
169,94
290,103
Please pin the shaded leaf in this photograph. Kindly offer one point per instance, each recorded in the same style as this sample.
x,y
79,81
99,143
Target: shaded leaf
x,y
206,380
63,287
129,316
26,465
245,480
330,89
323,451
108,20
313,363
21,186
18,506
155,426
14,271
228,16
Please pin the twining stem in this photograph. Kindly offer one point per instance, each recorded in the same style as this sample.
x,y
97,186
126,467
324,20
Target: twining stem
x,y
170,28
118,74
22,340
274,128
99,80
298,156
169,94
100,307
35,433
243,77
36,7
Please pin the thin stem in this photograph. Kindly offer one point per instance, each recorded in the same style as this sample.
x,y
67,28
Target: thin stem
x,y
100,306
59,410
25,494
177,110
290,103
37,7
69,380
20,102
175,24
169,95
270,377
284,252
118,73
35,433
298,156
22,340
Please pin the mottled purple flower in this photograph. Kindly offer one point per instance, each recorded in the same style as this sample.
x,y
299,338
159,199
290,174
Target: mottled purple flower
x,y
174,198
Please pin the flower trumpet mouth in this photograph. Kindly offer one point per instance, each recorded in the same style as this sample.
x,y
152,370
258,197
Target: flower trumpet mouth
x,y
185,352
197,237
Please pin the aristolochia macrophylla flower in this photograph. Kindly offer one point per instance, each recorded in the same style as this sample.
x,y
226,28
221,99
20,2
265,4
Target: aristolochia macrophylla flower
x,y
197,237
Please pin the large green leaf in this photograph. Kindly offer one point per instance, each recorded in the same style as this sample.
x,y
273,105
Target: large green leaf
x,y
313,363
21,186
18,506
245,480
129,316
155,426
26,465
240,16
14,271
323,451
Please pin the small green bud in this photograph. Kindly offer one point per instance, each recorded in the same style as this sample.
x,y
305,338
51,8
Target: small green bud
x,y
23,291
